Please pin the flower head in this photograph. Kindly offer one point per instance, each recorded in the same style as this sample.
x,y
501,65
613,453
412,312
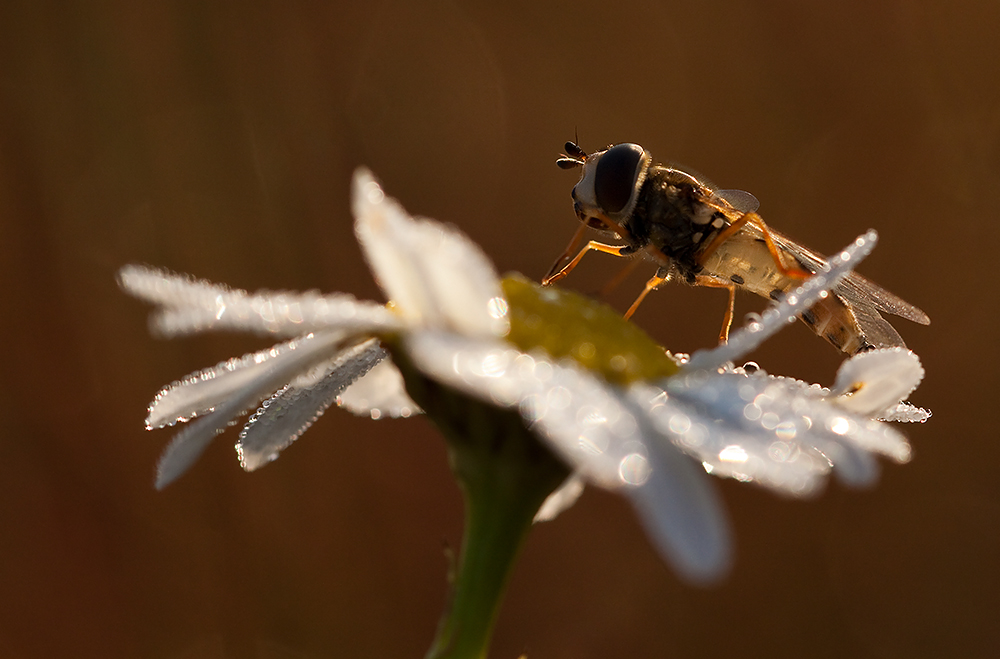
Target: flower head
x,y
615,409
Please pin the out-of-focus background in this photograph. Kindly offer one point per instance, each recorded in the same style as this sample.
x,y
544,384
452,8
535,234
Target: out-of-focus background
x,y
219,139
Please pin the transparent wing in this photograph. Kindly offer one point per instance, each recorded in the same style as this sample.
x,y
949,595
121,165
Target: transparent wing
x,y
740,200
854,288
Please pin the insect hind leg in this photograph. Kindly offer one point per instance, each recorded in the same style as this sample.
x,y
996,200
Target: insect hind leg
x,y
755,220
727,319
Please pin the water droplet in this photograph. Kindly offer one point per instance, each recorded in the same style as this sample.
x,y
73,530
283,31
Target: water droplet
x,y
839,425
733,453
679,424
634,469
786,430
779,451
497,307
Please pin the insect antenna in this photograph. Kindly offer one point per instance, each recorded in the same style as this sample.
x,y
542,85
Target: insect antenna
x,y
574,156
575,151
565,162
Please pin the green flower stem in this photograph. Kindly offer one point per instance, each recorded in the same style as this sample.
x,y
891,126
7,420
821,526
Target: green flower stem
x,y
505,475
501,498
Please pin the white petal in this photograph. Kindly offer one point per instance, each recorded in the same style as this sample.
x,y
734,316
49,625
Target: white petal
x,y
905,413
683,515
380,394
779,315
776,431
435,275
583,421
727,449
200,392
561,500
188,306
292,410
265,377
875,381
598,435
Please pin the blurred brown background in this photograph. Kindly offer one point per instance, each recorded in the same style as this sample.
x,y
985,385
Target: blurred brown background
x,y
219,139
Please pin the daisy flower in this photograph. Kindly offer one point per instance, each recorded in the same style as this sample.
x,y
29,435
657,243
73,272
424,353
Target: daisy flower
x,y
537,390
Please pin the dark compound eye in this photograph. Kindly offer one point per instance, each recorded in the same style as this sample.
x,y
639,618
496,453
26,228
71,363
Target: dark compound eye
x,y
616,175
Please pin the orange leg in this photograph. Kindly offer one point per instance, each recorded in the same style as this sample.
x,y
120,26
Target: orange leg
x,y
757,221
727,320
558,273
654,282
573,246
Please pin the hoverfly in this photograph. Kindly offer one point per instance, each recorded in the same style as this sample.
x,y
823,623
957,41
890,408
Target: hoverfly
x,y
713,238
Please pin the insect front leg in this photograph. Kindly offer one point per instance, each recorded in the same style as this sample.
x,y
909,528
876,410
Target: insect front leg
x,y
573,246
557,273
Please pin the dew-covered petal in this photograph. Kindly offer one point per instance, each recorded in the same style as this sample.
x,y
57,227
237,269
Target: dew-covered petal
x,y
872,382
777,316
727,449
560,500
287,414
580,418
200,392
779,432
266,376
905,413
436,277
380,394
682,513
188,306
599,435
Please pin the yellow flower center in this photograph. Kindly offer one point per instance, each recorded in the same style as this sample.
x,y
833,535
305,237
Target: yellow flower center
x,y
566,324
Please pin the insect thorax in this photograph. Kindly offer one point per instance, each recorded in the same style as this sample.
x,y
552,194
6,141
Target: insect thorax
x,y
671,216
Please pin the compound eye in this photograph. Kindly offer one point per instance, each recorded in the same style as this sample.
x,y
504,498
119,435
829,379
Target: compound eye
x,y
616,174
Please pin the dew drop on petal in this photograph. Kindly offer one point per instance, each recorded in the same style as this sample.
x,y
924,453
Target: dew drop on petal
x,y
543,371
769,420
763,400
679,424
751,412
494,365
531,408
839,425
497,307
374,193
634,469
559,398
786,430
779,451
733,453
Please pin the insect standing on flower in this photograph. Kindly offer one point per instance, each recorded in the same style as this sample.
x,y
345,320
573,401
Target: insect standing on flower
x,y
713,238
